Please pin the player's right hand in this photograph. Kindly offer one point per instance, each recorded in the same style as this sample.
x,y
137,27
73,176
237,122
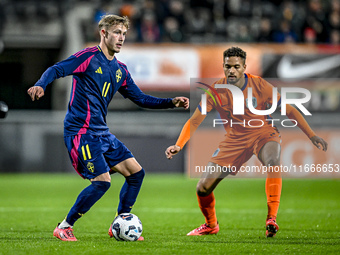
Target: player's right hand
x,y
171,151
319,142
181,102
36,92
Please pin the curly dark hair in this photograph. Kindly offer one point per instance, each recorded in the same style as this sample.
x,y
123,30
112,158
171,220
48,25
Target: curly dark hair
x,y
235,52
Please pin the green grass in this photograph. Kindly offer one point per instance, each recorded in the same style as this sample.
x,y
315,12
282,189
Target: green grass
x,y
32,205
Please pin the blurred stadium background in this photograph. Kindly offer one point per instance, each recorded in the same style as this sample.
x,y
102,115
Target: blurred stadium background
x,y
171,41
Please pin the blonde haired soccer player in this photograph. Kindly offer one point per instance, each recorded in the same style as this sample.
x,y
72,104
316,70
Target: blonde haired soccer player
x,y
241,141
95,153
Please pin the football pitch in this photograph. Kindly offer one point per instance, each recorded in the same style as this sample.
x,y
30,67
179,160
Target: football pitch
x,y
32,205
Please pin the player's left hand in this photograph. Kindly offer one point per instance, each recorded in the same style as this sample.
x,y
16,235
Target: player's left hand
x,y
35,92
171,151
181,102
317,141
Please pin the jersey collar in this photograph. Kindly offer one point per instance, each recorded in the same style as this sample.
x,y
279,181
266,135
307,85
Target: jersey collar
x,y
246,82
103,55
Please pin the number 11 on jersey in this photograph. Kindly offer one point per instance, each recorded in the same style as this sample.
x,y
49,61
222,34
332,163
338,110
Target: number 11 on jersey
x,y
105,89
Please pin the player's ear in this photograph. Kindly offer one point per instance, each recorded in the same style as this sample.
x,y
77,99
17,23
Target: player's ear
x,y
245,66
103,32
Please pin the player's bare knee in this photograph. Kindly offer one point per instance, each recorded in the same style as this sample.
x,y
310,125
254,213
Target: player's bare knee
x,y
103,178
273,161
202,190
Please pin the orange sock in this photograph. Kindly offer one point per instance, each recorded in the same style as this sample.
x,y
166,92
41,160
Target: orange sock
x,y
207,206
273,192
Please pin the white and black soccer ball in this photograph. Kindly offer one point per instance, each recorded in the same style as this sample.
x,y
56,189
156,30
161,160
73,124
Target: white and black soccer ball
x,y
127,227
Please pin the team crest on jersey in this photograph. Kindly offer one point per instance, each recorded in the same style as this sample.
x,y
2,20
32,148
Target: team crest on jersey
x,y
253,100
90,167
118,75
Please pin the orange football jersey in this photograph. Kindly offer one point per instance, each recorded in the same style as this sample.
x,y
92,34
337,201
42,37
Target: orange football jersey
x,y
262,99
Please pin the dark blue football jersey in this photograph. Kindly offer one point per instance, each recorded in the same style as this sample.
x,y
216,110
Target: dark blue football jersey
x,y
95,81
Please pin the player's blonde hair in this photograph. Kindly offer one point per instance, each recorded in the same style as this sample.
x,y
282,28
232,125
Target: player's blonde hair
x,y
111,20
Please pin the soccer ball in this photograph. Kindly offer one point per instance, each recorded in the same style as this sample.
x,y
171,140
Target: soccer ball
x,y
127,227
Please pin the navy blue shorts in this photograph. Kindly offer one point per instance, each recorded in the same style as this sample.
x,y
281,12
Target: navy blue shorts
x,y
93,155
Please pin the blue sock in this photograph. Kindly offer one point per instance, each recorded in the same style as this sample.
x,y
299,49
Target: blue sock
x,y
129,192
86,199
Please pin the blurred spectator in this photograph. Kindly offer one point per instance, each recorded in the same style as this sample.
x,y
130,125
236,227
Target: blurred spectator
x,y
220,26
172,31
220,14
150,7
266,32
130,11
243,34
293,14
335,37
316,20
311,21
335,6
334,20
148,23
176,10
235,7
198,20
309,35
149,30
100,10
285,34
174,21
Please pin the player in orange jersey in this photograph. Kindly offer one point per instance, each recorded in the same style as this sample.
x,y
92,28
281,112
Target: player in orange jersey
x,y
242,139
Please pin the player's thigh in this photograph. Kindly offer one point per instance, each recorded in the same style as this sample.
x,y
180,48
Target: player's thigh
x,y
232,153
119,157
127,167
269,154
268,147
86,153
210,179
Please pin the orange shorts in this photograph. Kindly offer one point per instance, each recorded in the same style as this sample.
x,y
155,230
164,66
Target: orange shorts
x,y
237,150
